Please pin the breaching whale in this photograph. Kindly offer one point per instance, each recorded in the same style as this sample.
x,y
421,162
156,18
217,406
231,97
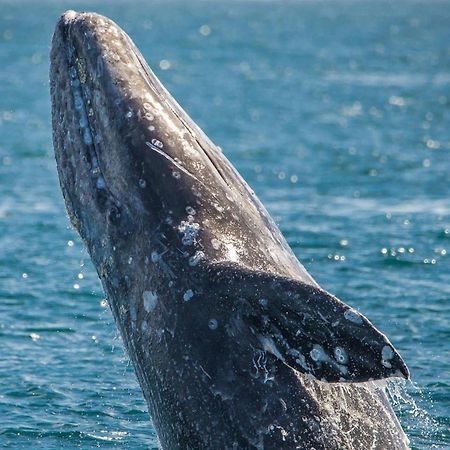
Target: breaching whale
x,y
235,346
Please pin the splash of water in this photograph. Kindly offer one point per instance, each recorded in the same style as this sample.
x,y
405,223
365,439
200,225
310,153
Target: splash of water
x,y
407,398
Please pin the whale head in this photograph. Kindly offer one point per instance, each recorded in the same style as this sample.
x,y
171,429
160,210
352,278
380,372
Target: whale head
x,y
128,156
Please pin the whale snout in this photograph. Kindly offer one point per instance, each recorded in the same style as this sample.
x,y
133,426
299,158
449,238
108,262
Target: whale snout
x,y
117,132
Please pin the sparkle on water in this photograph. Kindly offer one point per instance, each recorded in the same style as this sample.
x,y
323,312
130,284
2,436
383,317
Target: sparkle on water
x,y
336,113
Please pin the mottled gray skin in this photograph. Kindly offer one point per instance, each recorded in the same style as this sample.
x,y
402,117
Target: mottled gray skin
x,y
227,332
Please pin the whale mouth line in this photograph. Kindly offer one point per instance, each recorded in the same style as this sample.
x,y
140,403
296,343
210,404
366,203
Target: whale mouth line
x,y
84,114
86,128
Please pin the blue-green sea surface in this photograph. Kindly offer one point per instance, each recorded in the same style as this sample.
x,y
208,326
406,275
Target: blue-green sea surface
x,y
337,113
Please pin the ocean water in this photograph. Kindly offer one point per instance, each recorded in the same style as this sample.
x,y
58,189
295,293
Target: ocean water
x,y
337,113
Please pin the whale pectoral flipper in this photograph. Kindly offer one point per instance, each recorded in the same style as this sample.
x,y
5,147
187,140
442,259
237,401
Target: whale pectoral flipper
x,y
309,329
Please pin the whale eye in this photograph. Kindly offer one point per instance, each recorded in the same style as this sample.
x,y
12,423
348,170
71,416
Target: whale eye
x,y
114,215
